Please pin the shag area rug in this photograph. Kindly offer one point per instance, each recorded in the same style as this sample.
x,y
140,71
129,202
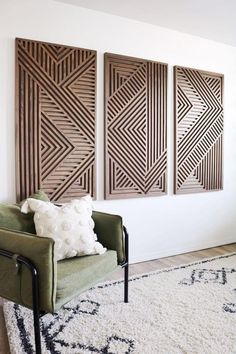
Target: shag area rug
x,y
188,309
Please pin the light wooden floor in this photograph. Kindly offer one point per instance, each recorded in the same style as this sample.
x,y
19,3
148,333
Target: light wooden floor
x,y
139,268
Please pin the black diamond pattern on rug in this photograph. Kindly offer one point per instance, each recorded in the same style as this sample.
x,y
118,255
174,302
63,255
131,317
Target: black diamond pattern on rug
x,y
206,276
119,345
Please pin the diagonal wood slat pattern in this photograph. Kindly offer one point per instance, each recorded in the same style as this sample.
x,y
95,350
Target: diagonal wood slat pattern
x,y
55,120
135,127
198,130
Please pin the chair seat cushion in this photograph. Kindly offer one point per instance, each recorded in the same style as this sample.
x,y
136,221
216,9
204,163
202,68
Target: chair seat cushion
x,y
75,275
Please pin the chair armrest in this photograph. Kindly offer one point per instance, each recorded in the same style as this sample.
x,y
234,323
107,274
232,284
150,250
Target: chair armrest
x,y
17,285
109,230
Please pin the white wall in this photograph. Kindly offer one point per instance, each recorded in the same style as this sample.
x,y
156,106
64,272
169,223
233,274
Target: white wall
x,y
158,226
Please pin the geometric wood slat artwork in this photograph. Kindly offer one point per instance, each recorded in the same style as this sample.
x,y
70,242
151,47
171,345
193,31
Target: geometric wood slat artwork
x,y
55,120
198,130
135,127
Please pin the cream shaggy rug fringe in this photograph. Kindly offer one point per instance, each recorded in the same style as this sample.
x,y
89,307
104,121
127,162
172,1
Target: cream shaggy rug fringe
x,y
189,309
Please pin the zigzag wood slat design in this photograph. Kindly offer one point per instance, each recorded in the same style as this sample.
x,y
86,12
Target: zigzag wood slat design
x,y
135,127
198,130
55,120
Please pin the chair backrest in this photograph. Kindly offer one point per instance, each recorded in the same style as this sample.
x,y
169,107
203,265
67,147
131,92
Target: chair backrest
x,y
12,218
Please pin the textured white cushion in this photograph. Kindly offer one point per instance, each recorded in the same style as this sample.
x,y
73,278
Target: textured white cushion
x,y
70,225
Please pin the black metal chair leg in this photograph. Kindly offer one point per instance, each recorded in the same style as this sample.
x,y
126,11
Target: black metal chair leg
x,y
37,332
126,266
126,284
36,312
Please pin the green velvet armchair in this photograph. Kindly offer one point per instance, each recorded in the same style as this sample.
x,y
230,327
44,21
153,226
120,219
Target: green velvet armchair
x,y
30,276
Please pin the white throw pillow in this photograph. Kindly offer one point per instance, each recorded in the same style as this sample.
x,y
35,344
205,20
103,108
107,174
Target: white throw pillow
x,y
70,225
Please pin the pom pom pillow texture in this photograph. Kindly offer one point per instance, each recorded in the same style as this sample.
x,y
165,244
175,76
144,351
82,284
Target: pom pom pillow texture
x,y
70,225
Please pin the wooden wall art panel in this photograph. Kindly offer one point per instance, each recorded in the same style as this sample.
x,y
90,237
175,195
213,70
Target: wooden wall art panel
x,y
198,130
135,127
55,120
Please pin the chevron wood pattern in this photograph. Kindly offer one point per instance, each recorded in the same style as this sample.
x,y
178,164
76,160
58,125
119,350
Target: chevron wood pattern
x,y
135,127
198,130
55,120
